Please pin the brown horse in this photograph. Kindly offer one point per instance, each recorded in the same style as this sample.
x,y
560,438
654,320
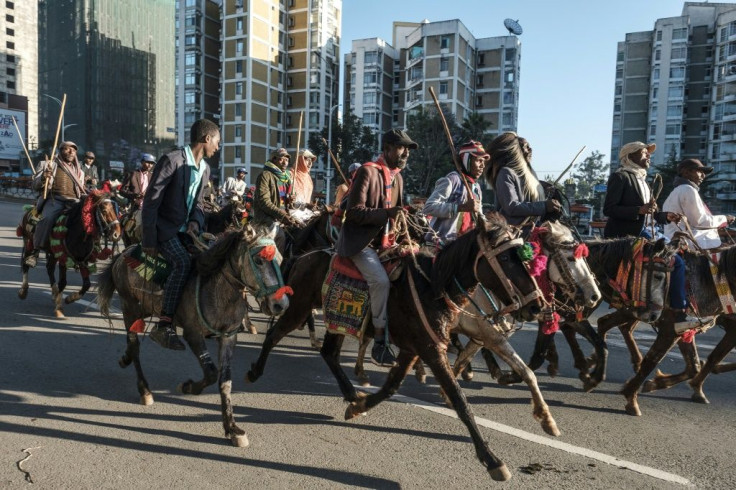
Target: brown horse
x,y
74,242
213,302
424,303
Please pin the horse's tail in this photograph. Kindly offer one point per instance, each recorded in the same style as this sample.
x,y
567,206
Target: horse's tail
x,y
105,288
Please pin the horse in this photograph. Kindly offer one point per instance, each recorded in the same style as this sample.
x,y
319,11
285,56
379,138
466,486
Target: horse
x,y
424,303
74,242
229,217
567,280
213,301
705,295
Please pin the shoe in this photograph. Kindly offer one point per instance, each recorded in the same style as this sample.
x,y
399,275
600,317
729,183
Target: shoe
x,y
31,259
381,355
684,322
164,334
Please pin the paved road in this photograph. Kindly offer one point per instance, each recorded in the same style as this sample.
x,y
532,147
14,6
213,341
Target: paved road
x,y
64,399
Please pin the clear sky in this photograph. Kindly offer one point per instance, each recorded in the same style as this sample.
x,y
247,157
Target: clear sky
x,y
568,59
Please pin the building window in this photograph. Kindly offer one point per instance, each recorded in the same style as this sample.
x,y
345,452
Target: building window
x,y
371,57
676,92
674,110
239,24
239,88
9,18
445,42
10,71
291,42
190,79
9,31
189,98
370,78
655,74
190,40
679,33
369,98
9,5
508,97
673,129
238,110
659,35
443,88
239,66
239,46
620,56
677,72
479,101
238,131
508,119
444,64
11,84
481,59
657,55
190,59
653,130
238,152
479,81
678,52
370,118
10,58
509,77
9,44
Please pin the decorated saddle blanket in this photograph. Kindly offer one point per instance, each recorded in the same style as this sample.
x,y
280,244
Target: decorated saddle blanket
x,y
155,269
345,296
725,295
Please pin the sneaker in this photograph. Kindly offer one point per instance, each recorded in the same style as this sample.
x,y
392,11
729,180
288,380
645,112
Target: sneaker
x,y
31,259
164,334
684,322
381,355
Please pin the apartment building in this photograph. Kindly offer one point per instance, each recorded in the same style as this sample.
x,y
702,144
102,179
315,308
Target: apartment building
x,y
279,66
198,69
115,61
467,74
676,86
18,78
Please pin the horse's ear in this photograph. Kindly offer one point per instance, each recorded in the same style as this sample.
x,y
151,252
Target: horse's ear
x,y
659,246
249,233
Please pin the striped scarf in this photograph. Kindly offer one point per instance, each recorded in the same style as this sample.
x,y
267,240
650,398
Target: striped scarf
x,y
284,178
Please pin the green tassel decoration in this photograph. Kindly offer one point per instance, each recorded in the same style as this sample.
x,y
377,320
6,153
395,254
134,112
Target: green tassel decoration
x,y
526,252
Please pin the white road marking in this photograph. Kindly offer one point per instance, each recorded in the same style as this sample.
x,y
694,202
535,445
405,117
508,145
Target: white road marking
x,y
537,439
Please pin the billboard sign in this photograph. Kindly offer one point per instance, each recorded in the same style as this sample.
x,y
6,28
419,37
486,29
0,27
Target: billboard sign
x,y
10,144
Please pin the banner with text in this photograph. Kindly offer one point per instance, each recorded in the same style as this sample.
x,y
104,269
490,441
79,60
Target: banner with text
x,y
10,146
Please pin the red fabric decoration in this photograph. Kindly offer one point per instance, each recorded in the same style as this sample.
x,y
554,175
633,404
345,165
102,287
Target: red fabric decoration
x,y
538,265
688,336
19,231
103,254
580,251
550,326
538,270
268,252
281,292
139,326
88,215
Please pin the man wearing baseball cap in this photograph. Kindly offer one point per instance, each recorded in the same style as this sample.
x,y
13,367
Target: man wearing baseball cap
x,y
374,201
234,187
91,174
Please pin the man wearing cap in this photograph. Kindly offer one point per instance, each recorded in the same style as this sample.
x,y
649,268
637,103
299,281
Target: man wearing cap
x,y
63,180
134,189
234,187
91,175
629,198
374,201
450,205
342,189
273,190
173,206
686,201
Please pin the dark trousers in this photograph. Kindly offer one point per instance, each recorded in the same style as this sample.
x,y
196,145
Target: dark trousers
x,y
181,265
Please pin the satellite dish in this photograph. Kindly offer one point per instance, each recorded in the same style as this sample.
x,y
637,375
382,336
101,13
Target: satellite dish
x,y
513,26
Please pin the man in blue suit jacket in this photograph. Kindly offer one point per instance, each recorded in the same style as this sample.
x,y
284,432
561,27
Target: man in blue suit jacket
x,y
172,205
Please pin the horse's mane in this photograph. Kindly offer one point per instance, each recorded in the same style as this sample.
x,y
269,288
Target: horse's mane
x,y
212,260
460,250
613,250
727,262
556,235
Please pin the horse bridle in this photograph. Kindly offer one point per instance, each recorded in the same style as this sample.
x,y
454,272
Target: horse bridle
x,y
491,253
103,225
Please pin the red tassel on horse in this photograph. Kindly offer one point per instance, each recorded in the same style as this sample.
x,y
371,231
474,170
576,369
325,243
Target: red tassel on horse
x,y
268,252
139,326
280,292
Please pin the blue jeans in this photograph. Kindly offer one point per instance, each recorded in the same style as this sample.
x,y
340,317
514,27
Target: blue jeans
x,y
678,295
369,265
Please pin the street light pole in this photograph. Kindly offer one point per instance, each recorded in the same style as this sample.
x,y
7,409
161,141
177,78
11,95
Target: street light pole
x,y
62,116
329,146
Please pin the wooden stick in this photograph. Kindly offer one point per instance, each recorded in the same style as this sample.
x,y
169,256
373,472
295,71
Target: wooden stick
x,y
569,166
299,137
56,141
334,160
24,145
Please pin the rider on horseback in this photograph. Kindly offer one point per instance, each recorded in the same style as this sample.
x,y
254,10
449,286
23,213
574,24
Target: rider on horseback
x,y
374,202
173,205
64,179
134,188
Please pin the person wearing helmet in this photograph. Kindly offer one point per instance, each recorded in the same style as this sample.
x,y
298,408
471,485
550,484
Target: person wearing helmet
x,y
134,188
450,205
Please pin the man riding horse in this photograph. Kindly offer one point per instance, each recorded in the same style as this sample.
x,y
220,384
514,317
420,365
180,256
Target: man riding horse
x,y
63,178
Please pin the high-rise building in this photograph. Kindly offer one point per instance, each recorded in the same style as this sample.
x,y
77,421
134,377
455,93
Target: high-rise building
x,y
198,49
18,76
675,87
279,65
114,60
385,84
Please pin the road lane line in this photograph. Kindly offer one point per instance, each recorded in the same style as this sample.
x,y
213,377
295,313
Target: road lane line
x,y
537,439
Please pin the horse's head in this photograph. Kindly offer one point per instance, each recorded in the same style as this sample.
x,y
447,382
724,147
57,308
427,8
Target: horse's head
x,y
648,279
566,265
500,267
100,214
259,264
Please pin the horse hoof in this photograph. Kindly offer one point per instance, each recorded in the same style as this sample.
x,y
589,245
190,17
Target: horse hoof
x,y
589,385
239,440
351,412
698,398
59,314
364,380
500,474
632,408
251,377
550,427
147,399
123,362
552,371
649,386
22,293
422,378
467,375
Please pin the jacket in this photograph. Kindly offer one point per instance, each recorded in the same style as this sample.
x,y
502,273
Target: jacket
x,y
132,187
267,208
165,202
510,198
449,192
623,199
685,200
76,171
365,214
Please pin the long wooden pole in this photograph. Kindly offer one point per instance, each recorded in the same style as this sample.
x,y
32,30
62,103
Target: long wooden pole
x,y
56,141
569,166
30,162
334,160
299,137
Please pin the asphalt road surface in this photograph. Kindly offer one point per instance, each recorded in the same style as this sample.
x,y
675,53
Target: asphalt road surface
x,y
70,418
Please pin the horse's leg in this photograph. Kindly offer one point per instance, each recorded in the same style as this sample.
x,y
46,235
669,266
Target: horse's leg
x,y
359,369
86,283
541,345
23,291
56,289
627,330
232,431
726,367
132,312
580,362
720,351
404,362
467,371
598,375
316,343
605,324
438,363
465,355
331,354
663,381
540,410
666,338
493,368
195,340
553,360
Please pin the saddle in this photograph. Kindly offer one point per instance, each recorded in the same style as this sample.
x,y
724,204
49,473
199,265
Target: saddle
x,y
153,269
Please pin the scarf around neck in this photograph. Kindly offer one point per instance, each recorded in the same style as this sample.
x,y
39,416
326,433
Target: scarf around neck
x,y
629,166
683,181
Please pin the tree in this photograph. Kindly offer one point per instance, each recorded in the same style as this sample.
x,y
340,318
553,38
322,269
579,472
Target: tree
x,y
433,158
668,172
590,172
474,127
